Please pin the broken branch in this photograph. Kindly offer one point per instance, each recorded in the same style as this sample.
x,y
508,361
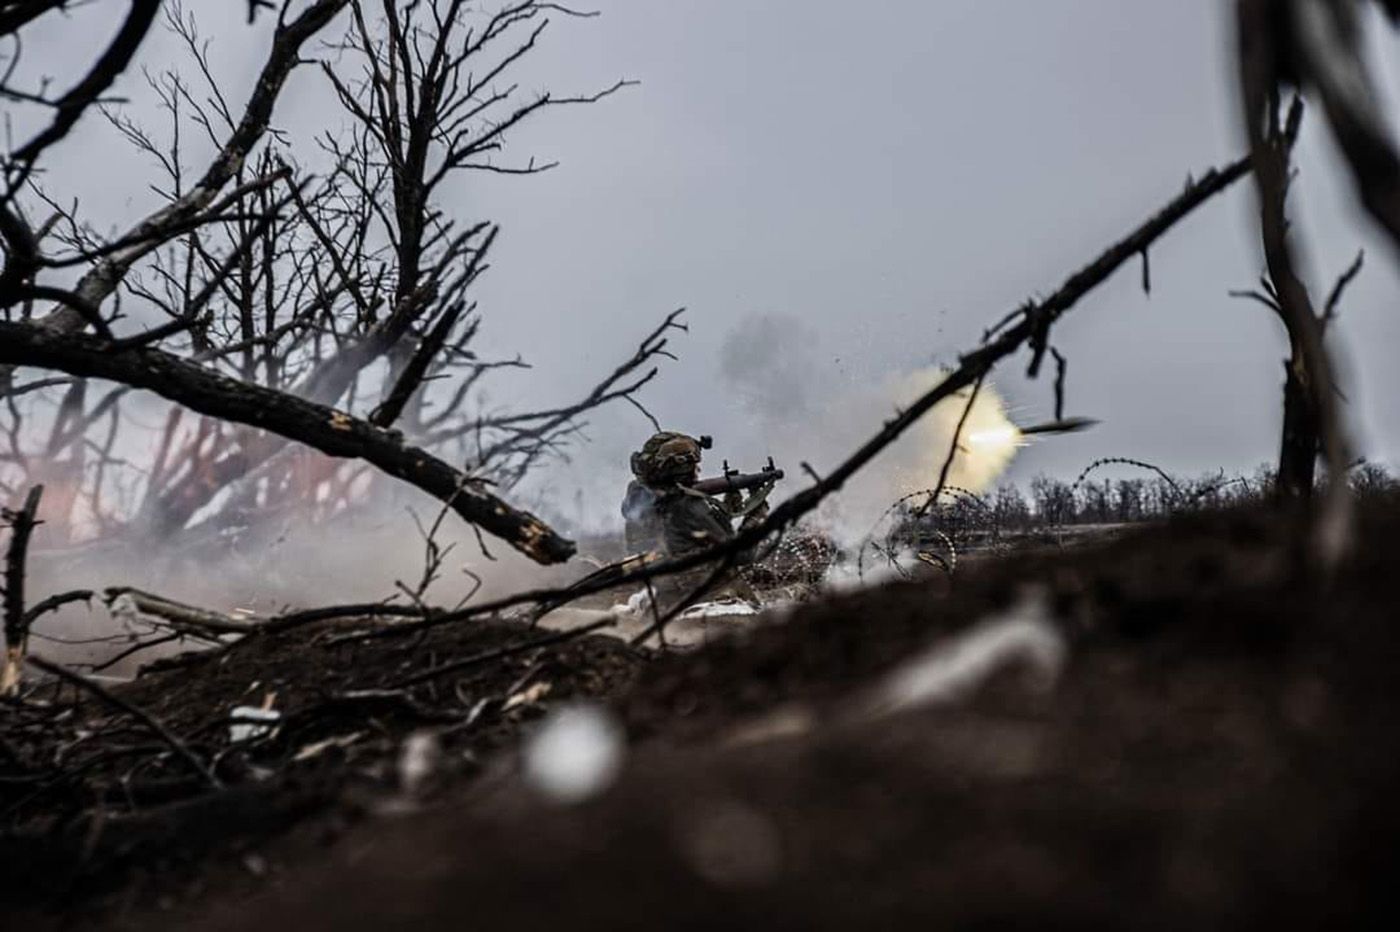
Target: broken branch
x,y
145,718
333,432
22,523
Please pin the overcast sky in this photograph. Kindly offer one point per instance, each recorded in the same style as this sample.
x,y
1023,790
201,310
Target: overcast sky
x,y
863,187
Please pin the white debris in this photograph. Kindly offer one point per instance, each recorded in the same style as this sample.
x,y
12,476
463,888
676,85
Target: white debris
x,y
123,609
955,667
576,753
316,748
877,569
419,758
249,722
721,609
528,696
638,604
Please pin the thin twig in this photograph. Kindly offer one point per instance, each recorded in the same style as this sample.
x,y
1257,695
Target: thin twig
x,y
500,653
145,718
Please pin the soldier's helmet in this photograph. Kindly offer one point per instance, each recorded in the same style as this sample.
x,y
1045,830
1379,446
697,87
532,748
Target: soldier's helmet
x,y
667,457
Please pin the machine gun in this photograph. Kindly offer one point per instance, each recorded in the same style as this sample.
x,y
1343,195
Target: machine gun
x,y
735,481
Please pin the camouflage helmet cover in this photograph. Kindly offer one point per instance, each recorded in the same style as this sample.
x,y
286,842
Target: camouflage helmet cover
x,y
666,456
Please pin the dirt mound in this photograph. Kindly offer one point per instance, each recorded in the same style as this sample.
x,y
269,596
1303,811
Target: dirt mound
x,y
1220,750
111,818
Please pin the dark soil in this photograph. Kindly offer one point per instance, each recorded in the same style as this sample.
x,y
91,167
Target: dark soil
x,y
1222,751
162,836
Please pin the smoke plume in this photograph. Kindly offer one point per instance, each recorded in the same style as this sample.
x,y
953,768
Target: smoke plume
x,y
800,406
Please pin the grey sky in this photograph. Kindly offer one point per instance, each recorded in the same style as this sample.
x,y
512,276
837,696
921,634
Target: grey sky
x,y
895,175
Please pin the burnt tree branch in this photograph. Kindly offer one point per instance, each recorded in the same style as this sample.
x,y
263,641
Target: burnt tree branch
x,y
411,378
71,106
150,233
1334,297
326,429
22,523
954,445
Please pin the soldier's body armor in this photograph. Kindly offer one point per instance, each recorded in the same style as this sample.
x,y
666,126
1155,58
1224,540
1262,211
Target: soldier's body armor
x,y
672,520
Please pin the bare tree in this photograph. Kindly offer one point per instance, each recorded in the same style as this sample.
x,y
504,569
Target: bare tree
x,y
286,304
1285,294
1272,55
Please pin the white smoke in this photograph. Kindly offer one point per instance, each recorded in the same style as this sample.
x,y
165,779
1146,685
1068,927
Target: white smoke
x,y
280,564
802,407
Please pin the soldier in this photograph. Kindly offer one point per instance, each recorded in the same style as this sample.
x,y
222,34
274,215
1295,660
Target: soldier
x,y
664,513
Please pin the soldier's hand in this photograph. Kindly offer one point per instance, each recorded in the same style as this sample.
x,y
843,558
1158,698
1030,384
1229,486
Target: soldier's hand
x,y
757,516
758,498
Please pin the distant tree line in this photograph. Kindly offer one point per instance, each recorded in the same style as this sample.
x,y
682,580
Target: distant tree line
x,y
965,520
1049,501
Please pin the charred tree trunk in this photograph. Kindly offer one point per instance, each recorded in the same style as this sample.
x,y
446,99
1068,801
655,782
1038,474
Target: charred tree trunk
x,y
1299,444
22,524
1312,419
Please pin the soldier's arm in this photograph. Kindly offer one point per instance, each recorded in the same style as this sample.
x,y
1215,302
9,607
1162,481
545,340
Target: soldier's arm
x,y
691,525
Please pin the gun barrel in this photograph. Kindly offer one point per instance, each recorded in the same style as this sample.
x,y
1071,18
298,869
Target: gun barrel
x,y
736,482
